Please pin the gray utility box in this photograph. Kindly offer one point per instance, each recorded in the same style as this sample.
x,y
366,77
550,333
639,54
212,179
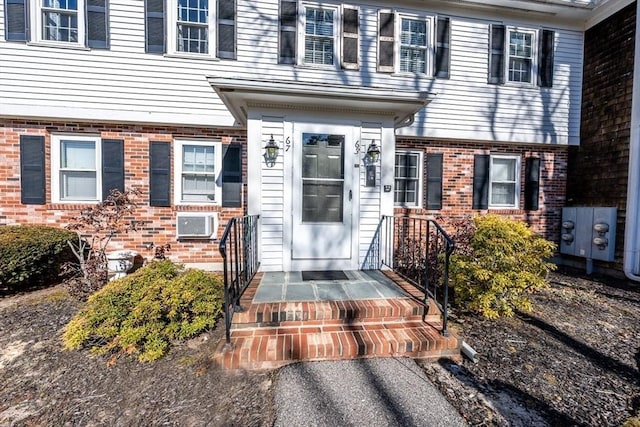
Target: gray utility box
x,y
589,232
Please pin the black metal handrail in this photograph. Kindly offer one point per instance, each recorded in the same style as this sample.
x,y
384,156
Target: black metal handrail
x,y
239,250
418,249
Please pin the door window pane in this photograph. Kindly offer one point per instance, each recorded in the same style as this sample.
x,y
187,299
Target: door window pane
x,y
322,177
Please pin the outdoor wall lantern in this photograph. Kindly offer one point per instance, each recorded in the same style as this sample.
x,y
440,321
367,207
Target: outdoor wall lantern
x,y
373,153
271,152
370,159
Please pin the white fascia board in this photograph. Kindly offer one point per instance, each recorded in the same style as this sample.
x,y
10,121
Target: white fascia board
x,y
240,95
19,111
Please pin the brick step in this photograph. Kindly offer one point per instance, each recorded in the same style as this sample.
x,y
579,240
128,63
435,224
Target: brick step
x,y
268,348
331,313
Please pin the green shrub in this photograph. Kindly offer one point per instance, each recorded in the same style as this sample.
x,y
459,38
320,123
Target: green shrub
x,y
141,313
494,269
31,255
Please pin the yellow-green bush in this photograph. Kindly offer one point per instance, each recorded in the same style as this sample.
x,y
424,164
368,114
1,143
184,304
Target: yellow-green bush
x,y
141,313
499,265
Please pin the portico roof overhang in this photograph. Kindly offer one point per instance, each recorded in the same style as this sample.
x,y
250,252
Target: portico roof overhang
x,y
242,95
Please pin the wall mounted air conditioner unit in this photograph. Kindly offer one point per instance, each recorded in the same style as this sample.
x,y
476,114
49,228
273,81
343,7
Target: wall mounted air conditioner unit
x,y
197,225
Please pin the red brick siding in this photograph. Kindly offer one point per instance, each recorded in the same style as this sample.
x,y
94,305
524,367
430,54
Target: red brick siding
x,y
157,224
458,181
598,168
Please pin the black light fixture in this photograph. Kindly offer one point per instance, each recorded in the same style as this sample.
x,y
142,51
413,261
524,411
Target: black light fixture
x,y
373,152
271,152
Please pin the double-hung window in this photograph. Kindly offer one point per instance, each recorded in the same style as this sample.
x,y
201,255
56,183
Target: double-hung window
x,y
521,59
521,55
192,26
413,46
76,161
197,172
504,188
408,170
69,23
60,19
195,28
319,36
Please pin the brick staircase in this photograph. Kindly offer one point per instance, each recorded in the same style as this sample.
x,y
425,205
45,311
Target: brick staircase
x,y
270,335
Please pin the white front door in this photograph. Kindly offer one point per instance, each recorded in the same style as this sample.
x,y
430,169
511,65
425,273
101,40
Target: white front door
x,y
323,198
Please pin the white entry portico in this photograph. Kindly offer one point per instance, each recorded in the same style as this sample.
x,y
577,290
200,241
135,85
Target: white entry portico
x,y
318,209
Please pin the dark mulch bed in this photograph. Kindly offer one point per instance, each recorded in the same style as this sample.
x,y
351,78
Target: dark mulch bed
x,y
41,384
573,361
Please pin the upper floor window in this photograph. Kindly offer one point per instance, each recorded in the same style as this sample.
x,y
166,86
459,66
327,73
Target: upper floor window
x,y
504,176
82,23
408,170
197,168
319,36
199,27
521,56
413,46
192,26
60,20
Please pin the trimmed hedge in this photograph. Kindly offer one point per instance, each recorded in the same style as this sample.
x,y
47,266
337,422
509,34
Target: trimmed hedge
x,y
31,255
140,314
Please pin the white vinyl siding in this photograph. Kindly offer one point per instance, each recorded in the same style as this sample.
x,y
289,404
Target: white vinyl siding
x,y
126,85
504,182
75,168
198,165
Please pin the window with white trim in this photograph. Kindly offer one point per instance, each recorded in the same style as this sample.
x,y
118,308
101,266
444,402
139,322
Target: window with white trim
x,y
520,55
320,35
413,45
60,21
76,161
504,177
197,169
191,28
408,186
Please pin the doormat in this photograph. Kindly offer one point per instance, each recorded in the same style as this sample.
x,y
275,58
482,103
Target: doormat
x,y
324,275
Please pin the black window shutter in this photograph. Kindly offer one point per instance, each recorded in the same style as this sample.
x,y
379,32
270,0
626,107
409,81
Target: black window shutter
x,y
496,54
159,173
16,20
32,172
350,34
481,181
155,40
531,183
545,69
443,53
287,32
386,41
112,166
434,180
227,29
97,24
232,176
